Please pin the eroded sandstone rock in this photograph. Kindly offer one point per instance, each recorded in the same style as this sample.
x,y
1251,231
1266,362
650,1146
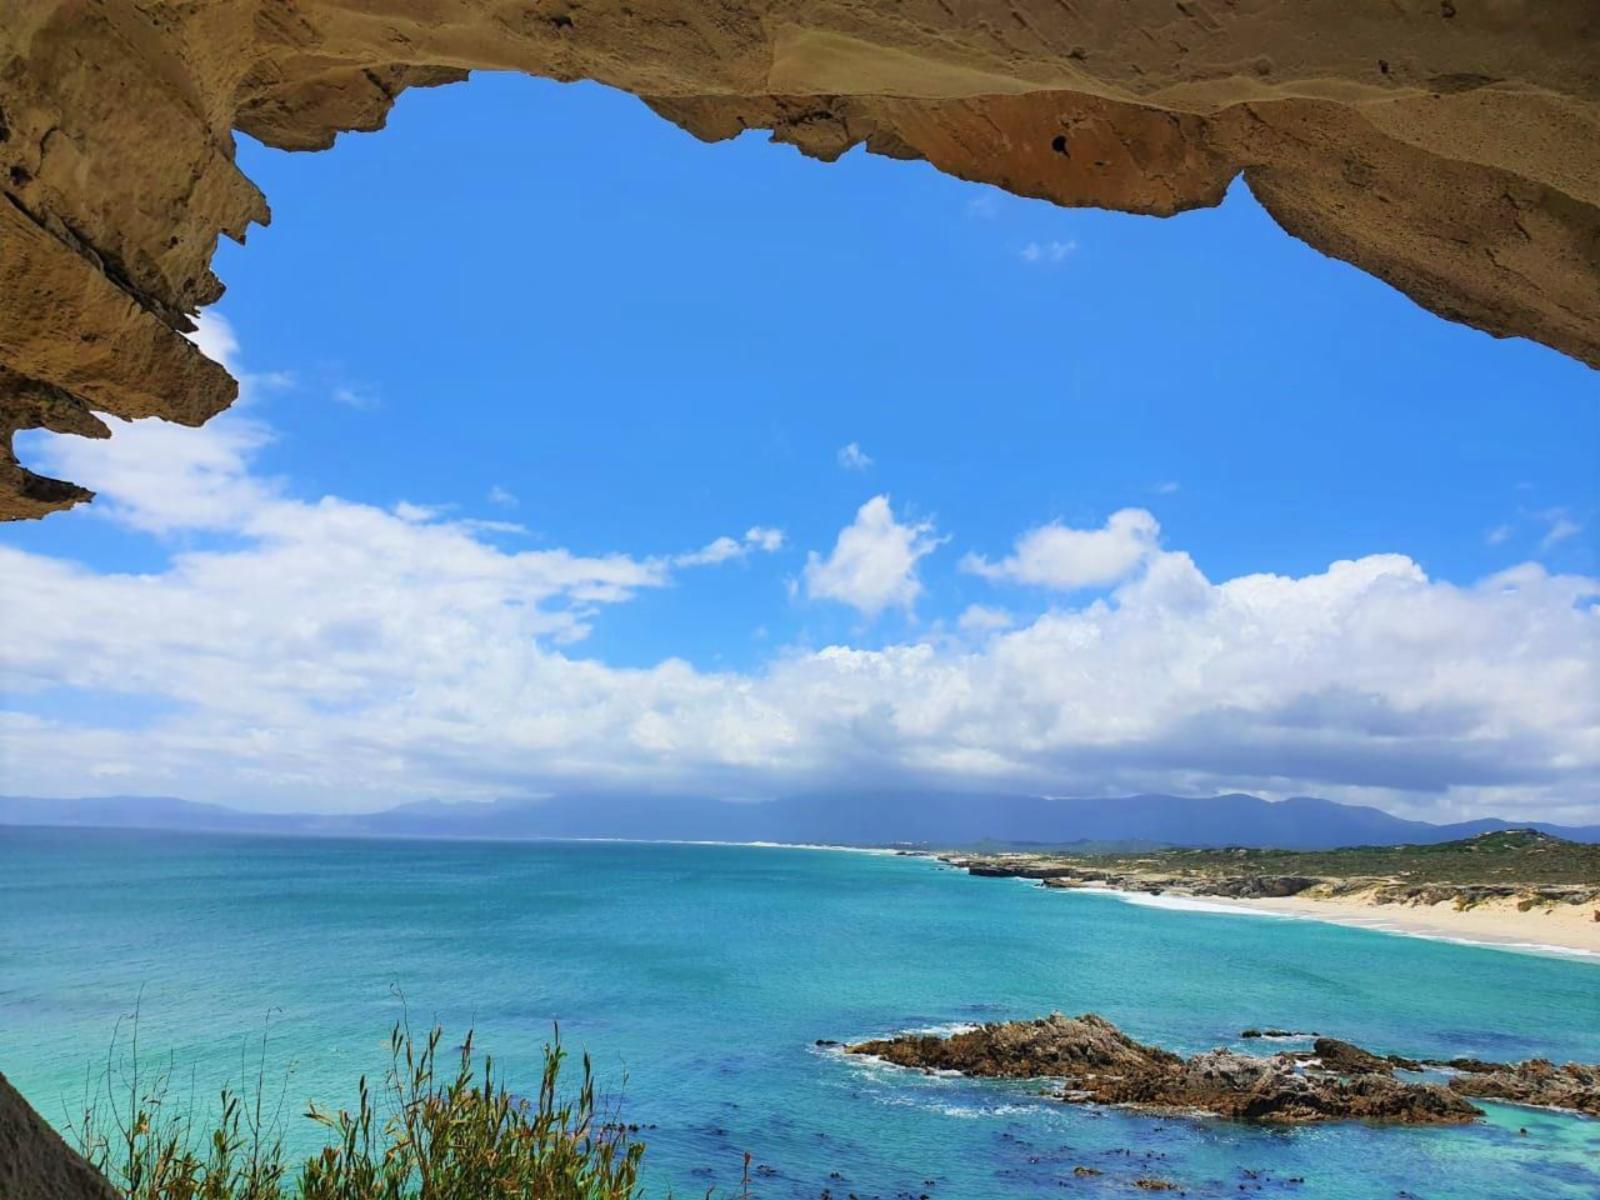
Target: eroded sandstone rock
x,y
1446,148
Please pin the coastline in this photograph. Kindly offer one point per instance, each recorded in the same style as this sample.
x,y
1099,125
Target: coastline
x,y
1562,931
1568,932
1400,890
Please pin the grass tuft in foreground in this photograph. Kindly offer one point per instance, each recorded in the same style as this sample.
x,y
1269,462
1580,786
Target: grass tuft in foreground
x,y
431,1132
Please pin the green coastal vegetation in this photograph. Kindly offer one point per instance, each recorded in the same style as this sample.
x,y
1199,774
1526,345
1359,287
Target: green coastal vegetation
x,y
1512,856
432,1129
1526,867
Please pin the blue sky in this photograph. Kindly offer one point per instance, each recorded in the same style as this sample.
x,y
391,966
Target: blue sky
x,y
540,305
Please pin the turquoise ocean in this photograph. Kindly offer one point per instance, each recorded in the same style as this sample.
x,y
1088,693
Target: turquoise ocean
x,y
701,977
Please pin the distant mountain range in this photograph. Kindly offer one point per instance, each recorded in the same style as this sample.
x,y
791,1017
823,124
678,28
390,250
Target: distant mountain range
x,y
859,819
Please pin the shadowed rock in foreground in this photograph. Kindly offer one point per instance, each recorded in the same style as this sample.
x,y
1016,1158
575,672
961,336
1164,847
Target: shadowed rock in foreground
x,y
35,1164
1097,1063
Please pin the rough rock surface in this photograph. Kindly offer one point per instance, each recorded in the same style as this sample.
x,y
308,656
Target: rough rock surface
x,y
1574,1086
1448,148
1097,1063
1051,1046
35,1164
1333,1055
1559,873
1251,887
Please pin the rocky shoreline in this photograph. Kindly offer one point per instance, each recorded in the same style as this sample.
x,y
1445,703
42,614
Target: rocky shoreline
x,y
1556,916
1055,874
1091,1061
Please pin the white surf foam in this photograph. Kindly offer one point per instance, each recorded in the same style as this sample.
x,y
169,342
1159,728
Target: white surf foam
x,y
1182,903
623,841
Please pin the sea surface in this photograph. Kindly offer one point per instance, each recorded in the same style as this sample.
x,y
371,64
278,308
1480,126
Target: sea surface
x,y
700,978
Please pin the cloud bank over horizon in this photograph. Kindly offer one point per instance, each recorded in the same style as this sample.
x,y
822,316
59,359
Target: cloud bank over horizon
x,y
333,655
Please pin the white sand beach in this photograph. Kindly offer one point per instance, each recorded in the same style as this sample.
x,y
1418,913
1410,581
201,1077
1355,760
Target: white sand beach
x,y
1569,928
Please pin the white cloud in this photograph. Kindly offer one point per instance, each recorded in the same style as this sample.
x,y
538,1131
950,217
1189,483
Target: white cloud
x,y
1168,487
724,549
1056,556
163,478
712,553
350,658
327,654
985,206
357,398
414,513
1559,527
217,340
1049,253
481,525
759,537
873,565
981,618
853,458
501,497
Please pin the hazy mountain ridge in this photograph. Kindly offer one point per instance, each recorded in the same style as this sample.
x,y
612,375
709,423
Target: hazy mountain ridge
x,y
876,819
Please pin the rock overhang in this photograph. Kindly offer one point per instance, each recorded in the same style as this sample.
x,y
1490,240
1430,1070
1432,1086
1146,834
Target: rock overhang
x,y
1448,148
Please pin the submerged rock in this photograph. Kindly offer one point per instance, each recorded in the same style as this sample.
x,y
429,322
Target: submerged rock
x,y
1098,1063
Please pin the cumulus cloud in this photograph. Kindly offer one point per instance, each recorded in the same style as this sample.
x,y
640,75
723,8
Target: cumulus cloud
x,y
981,618
1060,557
358,659
759,537
1048,253
414,513
853,458
325,654
873,565
725,549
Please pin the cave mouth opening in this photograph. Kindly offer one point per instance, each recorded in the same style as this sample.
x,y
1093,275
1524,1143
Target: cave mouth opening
x,y
544,301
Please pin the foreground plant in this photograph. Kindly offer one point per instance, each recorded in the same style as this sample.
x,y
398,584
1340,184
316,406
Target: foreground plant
x,y
470,1137
444,1134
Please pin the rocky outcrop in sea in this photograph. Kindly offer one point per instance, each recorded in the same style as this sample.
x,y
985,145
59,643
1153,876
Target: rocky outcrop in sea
x,y
1539,1082
1095,1062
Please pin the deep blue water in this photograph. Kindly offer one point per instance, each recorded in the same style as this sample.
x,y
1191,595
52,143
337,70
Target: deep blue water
x,y
700,977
